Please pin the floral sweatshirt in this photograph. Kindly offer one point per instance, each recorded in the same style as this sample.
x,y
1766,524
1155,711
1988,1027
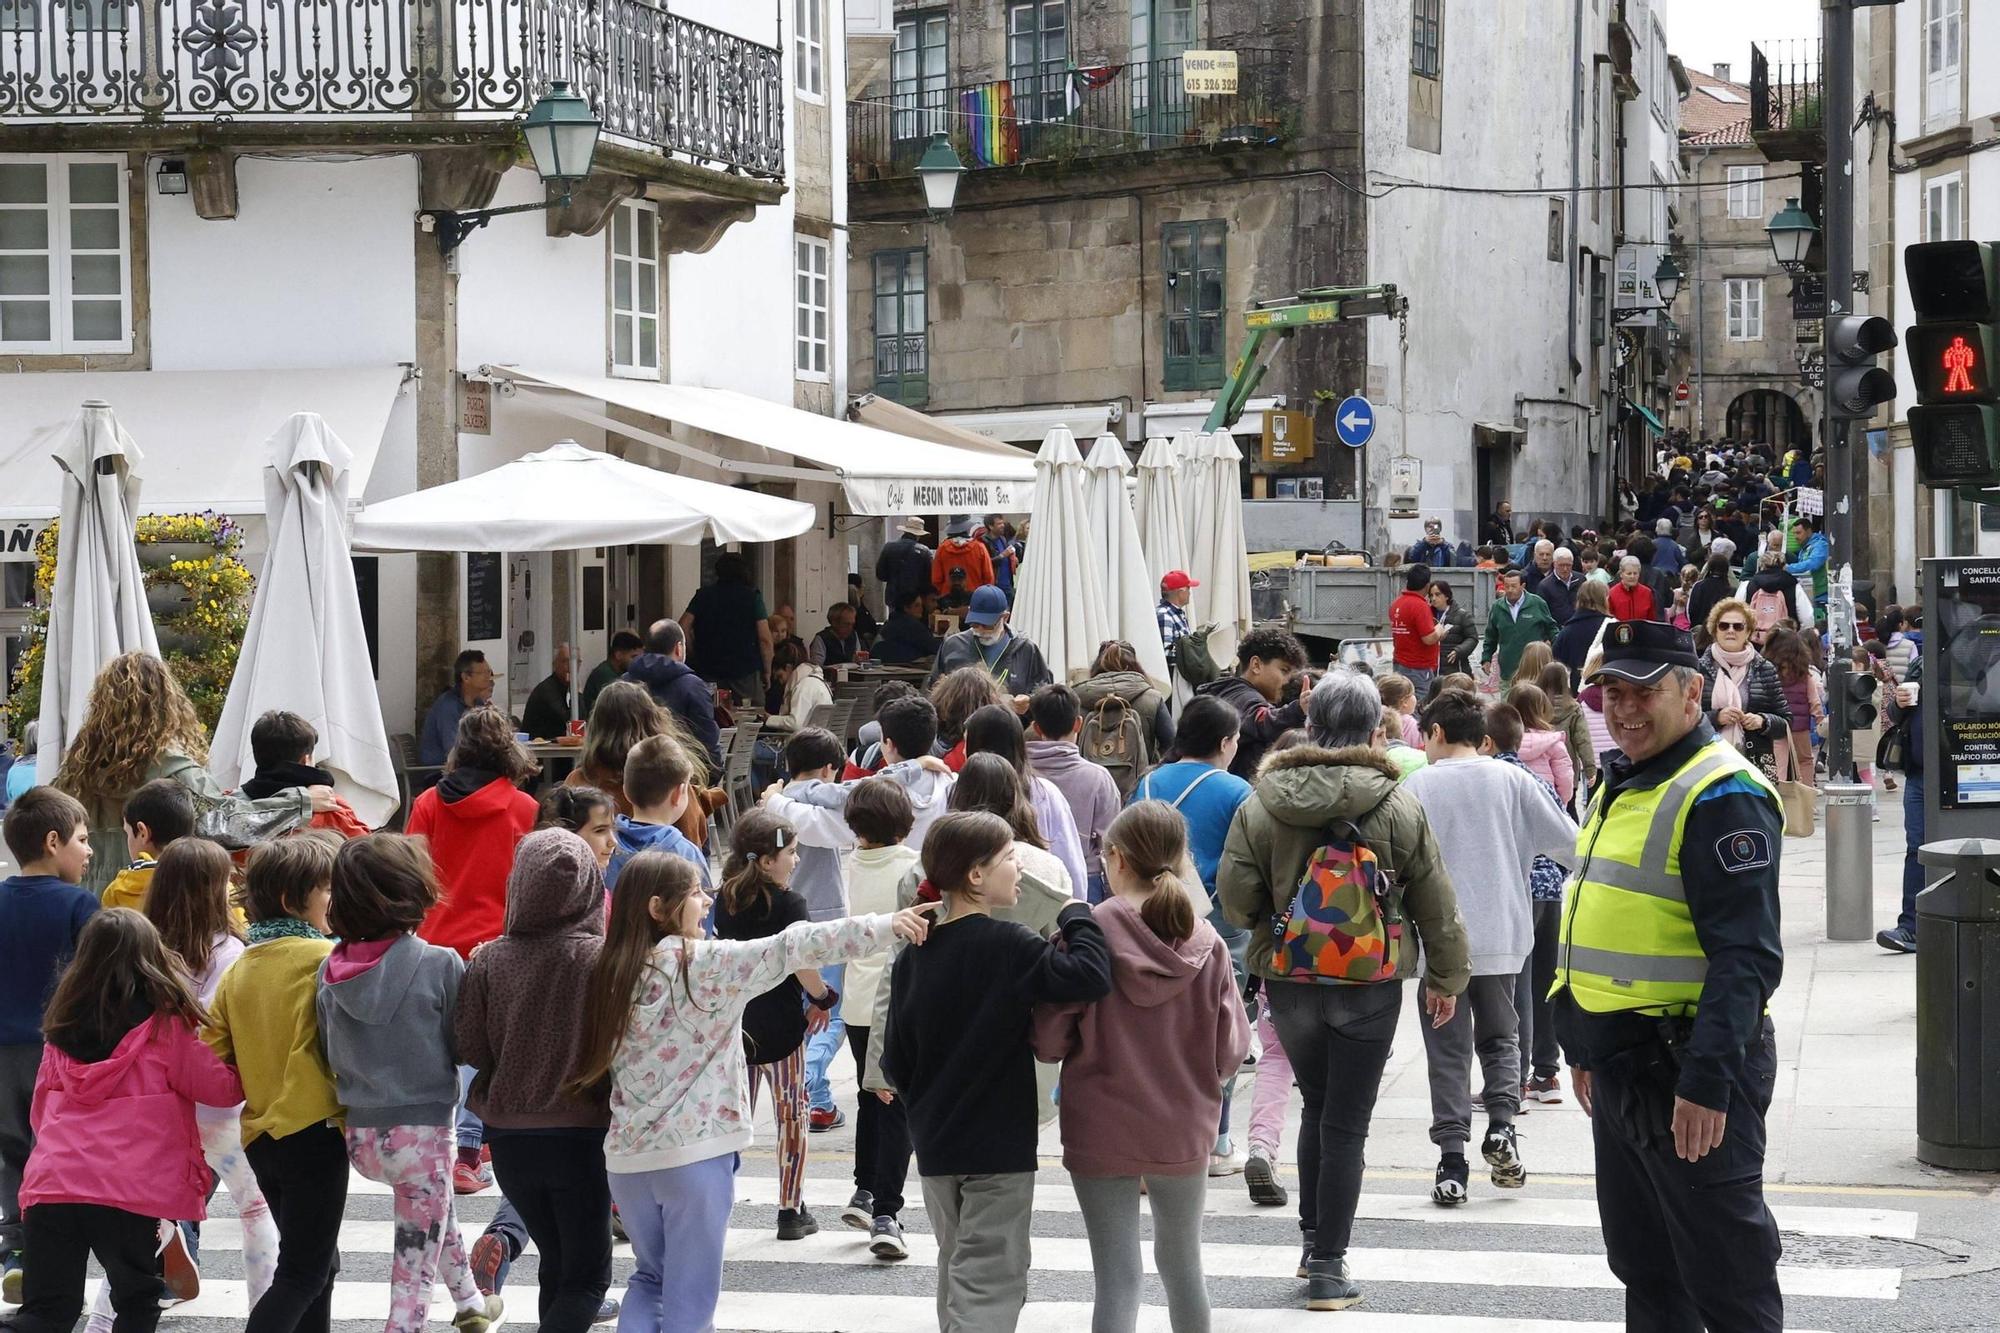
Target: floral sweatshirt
x,y
679,1086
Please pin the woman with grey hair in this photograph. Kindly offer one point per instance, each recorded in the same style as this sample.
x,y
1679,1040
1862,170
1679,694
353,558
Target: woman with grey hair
x,y
1631,597
1336,1025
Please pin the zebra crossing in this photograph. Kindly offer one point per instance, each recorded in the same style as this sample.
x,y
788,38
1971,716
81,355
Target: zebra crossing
x,y
1530,1262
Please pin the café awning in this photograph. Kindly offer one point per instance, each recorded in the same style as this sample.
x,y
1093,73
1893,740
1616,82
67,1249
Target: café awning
x,y
202,432
880,472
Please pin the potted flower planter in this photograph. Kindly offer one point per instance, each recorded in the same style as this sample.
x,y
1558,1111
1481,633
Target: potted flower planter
x,y
174,641
158,555
168,599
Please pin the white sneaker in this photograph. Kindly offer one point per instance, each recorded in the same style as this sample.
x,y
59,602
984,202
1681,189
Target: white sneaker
x,y
1226,1164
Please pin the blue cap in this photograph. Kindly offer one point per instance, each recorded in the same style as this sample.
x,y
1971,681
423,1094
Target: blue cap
x,y
988,605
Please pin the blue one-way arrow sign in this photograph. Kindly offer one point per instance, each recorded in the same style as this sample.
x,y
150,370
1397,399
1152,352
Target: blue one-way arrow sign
x,y
1355,421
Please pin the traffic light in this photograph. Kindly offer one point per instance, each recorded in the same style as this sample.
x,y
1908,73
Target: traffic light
x,y
1854,383
1858,700
1955,427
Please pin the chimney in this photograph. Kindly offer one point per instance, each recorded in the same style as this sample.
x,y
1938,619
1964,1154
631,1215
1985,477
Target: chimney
x,y
1722,71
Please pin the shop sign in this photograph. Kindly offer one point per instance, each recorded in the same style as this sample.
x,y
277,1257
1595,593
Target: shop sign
x,y
475,409
1288,437
17,542
876,495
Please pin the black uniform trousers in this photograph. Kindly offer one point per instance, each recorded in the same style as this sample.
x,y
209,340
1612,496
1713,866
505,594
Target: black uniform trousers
x,y
1692,1241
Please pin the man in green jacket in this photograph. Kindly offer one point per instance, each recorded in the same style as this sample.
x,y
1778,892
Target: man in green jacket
x,y
1517,619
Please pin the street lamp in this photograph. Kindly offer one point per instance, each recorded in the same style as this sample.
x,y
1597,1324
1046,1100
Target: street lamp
x,y
1791,233
939,170
1667,278
561,131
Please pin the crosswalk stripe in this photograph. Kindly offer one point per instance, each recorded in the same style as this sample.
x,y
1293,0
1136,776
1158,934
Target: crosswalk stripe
x,y
785,1312
1226,1198
1474,1268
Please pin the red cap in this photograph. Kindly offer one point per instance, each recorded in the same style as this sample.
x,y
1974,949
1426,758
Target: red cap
x,y
1177,579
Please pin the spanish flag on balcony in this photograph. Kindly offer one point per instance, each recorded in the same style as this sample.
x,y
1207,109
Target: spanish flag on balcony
x,y
990,124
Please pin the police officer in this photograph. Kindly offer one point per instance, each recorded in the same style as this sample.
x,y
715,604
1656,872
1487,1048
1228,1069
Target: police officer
x,y
1668,954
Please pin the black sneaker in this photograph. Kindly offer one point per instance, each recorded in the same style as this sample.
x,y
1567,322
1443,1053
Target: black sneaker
x,y
796,1223
860,1211
885,1239
1899,939
1306,1254
1328,1287
607,1310
1502,1151
1262,1179
1449,1191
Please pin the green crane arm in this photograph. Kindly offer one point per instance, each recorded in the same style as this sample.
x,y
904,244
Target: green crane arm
x,y
1271,323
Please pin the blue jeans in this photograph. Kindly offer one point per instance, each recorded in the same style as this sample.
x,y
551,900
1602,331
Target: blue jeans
x,y
823,1045
471,1129
677,1219
1094,889
1237,941
1913,838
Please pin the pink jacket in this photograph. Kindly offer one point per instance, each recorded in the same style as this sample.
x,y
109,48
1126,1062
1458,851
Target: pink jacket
x,y
1143,1068
120,1131
1546,755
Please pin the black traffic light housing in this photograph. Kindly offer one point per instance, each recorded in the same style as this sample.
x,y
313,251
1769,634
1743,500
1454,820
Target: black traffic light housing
x,y
1855,385
1955,426
1859,701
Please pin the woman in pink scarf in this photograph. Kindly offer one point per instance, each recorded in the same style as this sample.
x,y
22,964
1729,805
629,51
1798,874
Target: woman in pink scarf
x,y
1742,696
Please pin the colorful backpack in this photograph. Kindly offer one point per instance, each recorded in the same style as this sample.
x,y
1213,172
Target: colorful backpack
x,y
1342,925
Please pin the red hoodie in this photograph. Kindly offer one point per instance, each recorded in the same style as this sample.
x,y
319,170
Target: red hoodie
x,y
472,843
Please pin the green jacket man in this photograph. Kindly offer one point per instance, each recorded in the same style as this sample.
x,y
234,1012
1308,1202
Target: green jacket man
x,y
1517,619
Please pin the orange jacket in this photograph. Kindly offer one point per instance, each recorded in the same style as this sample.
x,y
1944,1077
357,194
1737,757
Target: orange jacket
x,y
970,556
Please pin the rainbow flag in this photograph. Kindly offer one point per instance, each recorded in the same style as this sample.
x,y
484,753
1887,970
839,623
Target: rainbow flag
x,y
990,124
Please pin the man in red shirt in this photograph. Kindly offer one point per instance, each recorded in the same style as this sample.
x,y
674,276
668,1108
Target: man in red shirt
x,y
1416,631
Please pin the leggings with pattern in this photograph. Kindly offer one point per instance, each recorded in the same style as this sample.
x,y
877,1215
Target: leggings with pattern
x,y
787,1078
414,1161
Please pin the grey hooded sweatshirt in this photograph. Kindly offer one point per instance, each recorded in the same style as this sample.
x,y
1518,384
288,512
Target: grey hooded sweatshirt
x,y
387,1030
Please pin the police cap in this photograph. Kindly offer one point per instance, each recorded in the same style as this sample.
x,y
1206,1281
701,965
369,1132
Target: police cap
x,y
1642,651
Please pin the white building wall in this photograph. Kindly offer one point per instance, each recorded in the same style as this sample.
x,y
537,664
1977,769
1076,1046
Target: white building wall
x,y
316,269
1918,509
1476,267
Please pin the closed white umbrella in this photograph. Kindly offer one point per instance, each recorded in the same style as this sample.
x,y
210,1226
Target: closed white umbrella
x,y
1163,524
1219,562
1129,585
99,606
1186,448
1059,600
305,650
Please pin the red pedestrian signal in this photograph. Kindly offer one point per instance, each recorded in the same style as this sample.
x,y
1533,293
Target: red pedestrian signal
x,y
1959,359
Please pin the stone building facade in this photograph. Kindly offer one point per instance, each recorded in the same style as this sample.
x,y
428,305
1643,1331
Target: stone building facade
x,y
1112,230
1740,355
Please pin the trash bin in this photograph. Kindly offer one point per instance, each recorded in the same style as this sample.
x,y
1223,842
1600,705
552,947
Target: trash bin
x,y
1958,1006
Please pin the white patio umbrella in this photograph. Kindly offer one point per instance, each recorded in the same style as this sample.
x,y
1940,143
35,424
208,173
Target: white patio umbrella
x,y
1163,526
305,650
1218,560
99,606
567,497
1059,600
1129,586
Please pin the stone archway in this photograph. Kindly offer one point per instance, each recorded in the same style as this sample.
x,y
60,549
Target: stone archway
x,y
1768,416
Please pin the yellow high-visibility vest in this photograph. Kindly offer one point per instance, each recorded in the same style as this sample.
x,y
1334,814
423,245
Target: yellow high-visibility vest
x,y
1628,943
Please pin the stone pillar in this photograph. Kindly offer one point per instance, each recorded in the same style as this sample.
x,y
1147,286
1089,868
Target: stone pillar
x,y
439,617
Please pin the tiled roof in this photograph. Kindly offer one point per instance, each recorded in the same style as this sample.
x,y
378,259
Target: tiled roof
x,y
1716,112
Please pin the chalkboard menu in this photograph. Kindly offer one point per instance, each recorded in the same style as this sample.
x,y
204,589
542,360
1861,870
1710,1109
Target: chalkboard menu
x,y
485,595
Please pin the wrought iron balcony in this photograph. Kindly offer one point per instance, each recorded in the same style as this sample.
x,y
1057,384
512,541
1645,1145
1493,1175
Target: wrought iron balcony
x,y
1069,114
1787,120
659,82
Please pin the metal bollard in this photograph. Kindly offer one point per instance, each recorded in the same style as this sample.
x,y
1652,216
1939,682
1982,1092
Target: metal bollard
x,y
1850,861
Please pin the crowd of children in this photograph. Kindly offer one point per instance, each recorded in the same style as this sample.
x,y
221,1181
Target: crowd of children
x,y
550,998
